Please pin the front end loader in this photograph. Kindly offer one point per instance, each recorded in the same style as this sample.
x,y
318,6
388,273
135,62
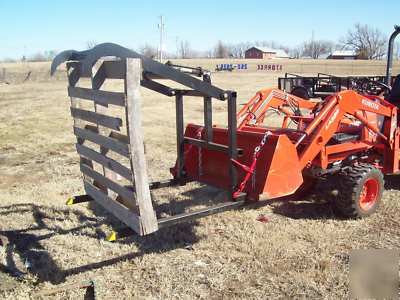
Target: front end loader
x,y
350,139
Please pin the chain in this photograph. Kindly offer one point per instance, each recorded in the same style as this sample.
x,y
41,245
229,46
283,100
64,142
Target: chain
x,y
262,143
250,171
200,149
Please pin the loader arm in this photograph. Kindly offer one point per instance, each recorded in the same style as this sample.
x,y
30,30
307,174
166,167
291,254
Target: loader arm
x,y
320,131
254,111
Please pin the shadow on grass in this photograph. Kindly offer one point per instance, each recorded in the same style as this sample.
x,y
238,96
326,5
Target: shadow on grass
x,y
311,207
26,242
306,210
315,203
392,182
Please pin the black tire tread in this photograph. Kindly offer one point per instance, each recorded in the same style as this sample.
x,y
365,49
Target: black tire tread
x,y
349,185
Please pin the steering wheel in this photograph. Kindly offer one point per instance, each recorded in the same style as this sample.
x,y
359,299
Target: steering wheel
x,y
384,85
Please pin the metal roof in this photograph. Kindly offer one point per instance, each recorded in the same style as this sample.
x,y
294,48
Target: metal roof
x,y
278,52
344,53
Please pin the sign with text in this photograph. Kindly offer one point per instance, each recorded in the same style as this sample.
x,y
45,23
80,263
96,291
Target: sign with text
x,y
230,67
269,67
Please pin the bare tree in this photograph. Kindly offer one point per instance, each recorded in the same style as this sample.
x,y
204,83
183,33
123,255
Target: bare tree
x,y
295,52
43,56
184,50
39,56
91,44
238,50
316,48
367,41
148,50
209,53
50,54
221,50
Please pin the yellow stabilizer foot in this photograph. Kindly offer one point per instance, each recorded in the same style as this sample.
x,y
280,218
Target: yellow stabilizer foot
x,y
70,201
78,199
112,237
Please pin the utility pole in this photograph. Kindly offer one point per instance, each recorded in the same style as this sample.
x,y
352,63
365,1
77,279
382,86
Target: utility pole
x,y
161,28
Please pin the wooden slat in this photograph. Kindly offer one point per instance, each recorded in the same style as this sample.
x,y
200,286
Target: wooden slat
x,y
120,137
92,128
106,142
118,210
100,109
120,190
99,119
74,71
101,97
135,132
123,138
105,161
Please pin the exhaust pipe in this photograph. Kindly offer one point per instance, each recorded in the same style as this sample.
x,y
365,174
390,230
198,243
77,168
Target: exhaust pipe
x,y
390,54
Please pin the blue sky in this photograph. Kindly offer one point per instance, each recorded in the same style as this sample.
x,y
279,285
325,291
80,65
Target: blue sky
x,y
32,26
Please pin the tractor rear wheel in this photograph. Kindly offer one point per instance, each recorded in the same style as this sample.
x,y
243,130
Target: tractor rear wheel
x,y
360,190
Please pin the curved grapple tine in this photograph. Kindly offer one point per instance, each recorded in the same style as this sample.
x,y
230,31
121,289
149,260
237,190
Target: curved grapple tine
x,y
89,57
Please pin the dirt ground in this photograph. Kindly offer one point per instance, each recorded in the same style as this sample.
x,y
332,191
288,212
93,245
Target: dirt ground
x,y
302,251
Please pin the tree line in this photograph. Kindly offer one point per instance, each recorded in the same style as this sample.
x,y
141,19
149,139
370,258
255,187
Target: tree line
x,y
366,41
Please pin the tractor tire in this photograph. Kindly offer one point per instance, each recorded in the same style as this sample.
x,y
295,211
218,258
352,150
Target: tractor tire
x,y
360,191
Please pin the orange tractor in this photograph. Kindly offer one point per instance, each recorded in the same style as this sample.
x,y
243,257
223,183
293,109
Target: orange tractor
x,y
354,137
348,137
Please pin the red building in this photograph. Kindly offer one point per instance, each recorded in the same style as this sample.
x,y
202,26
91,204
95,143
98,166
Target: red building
x,y
265,53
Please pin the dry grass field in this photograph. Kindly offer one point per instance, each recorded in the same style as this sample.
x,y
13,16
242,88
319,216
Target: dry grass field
x,y
302,251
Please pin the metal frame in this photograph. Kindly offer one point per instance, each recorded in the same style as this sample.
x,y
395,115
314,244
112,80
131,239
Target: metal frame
x,y
316,86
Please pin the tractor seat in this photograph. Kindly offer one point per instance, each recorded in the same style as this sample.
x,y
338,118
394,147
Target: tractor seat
x,y
394,96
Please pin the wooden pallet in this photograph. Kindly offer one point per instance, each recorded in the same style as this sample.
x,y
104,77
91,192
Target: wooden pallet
x,y
107,125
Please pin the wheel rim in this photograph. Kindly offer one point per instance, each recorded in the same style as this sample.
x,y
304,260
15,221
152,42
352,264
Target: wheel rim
x,y
369,194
